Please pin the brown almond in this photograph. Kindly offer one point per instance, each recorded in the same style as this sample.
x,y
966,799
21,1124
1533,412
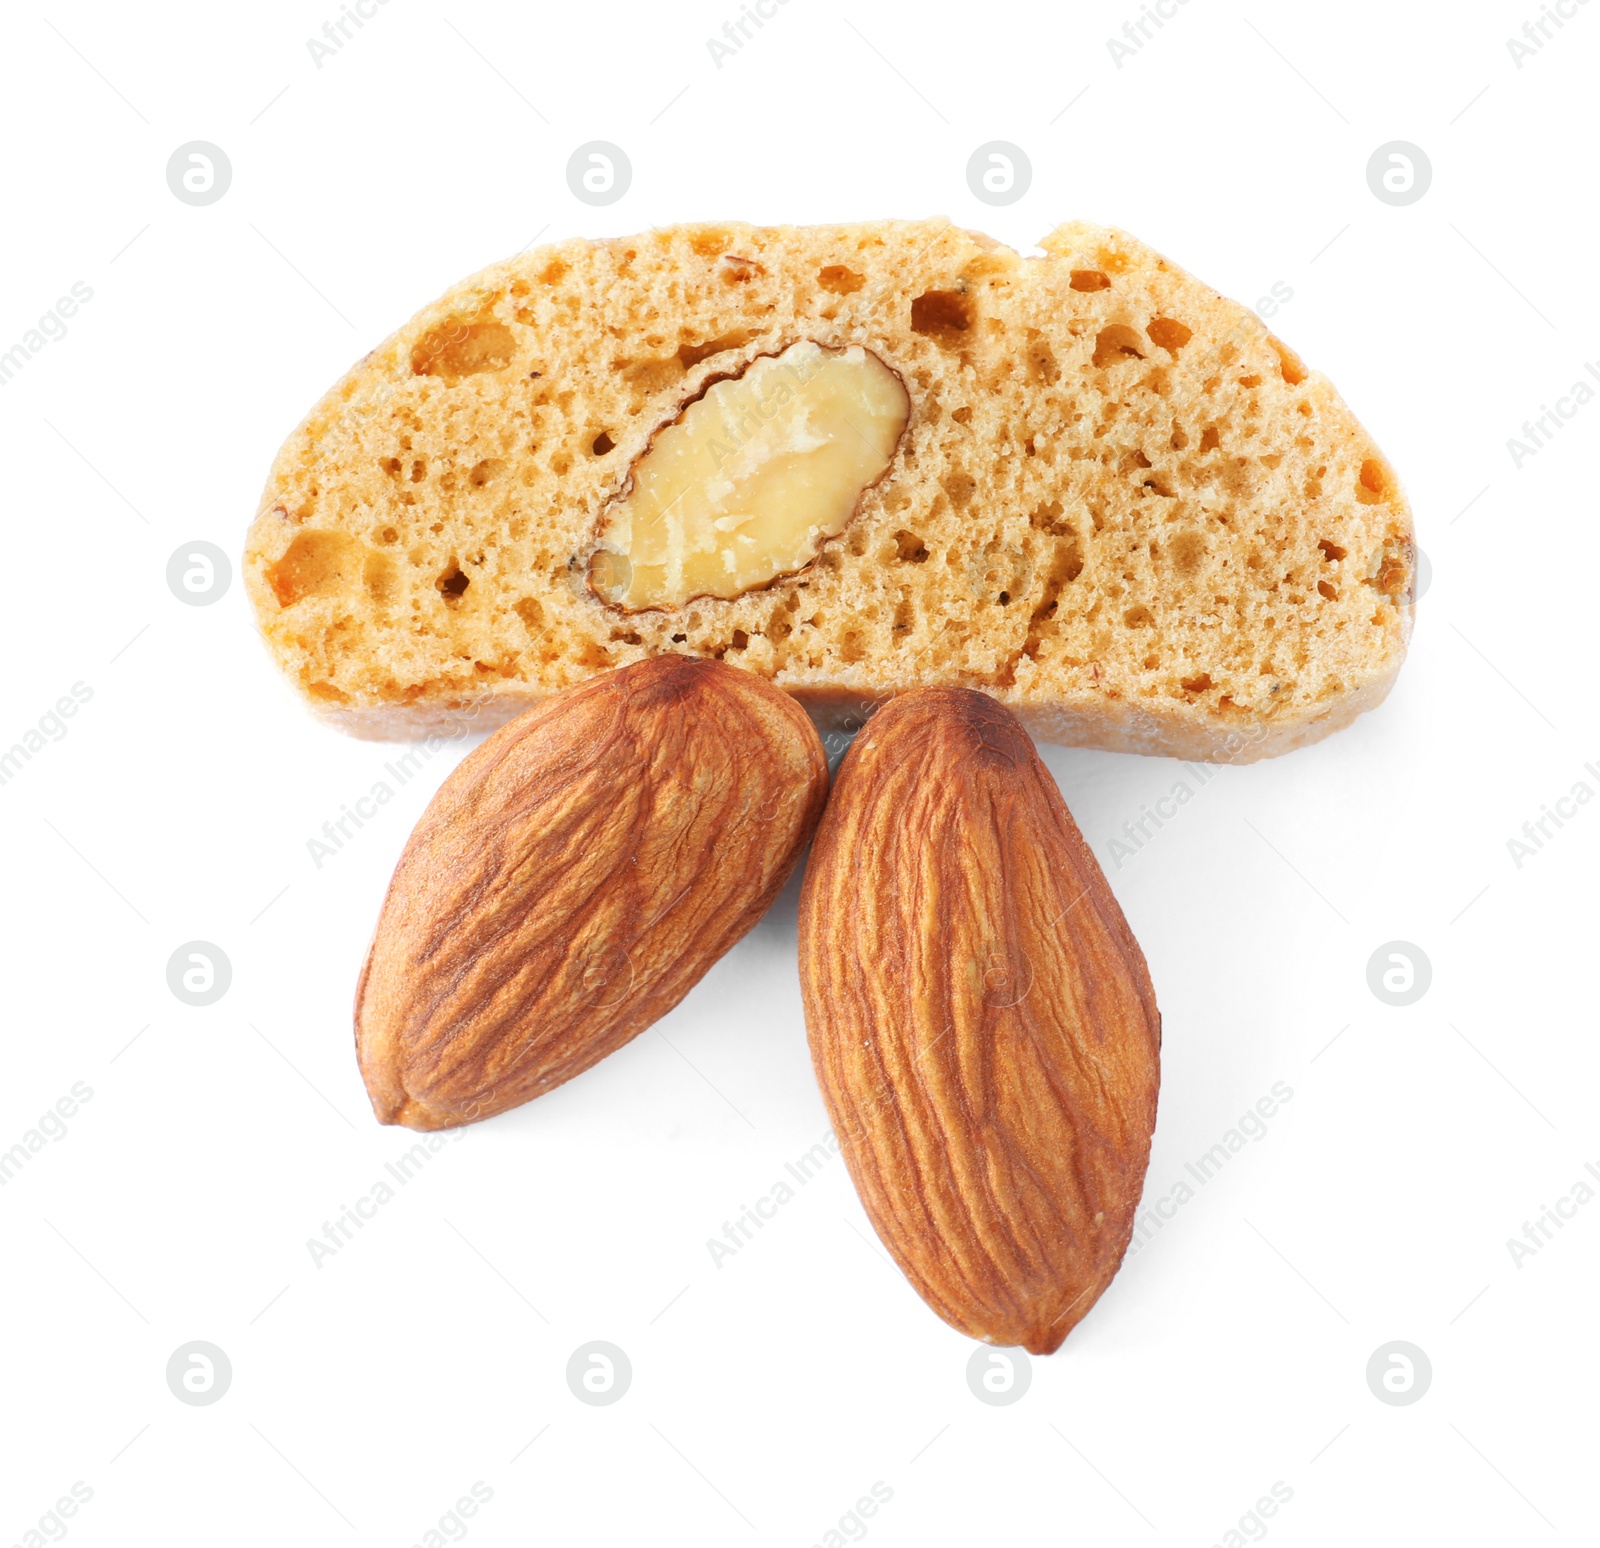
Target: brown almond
x,y
981,1019
574,878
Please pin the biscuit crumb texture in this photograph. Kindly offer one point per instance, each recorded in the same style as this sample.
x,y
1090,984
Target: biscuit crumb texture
x,y
1119,505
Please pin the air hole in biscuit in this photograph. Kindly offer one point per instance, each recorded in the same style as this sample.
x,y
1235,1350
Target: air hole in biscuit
x,y
378,576
314,565
839,280
451,584
1209,439
941,315
602,444
1372,486
1169,333
463,347
1042,367
1114,344
909,548
959,487
646,376
485,472
1199,684
690,355
1331,551
1329,590
1294,372
1188,548
1089,279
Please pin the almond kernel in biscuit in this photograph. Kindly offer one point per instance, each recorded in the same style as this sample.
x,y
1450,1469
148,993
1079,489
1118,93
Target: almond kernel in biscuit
x,y
751,478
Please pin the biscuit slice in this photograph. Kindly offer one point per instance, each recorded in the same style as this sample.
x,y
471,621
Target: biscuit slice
x,y
855,460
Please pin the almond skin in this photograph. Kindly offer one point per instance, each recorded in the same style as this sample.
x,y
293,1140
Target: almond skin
x,y
981,1019
574,878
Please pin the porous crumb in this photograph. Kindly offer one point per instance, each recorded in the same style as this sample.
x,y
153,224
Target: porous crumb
x,y
1119,505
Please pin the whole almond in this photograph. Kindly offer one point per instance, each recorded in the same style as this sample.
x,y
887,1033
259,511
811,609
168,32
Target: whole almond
x,y
981,1019
574,878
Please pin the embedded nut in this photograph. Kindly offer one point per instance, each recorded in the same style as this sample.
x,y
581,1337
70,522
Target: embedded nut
x,y
751,479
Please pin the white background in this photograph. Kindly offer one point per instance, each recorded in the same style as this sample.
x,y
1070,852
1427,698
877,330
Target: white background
x,y
769,1394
